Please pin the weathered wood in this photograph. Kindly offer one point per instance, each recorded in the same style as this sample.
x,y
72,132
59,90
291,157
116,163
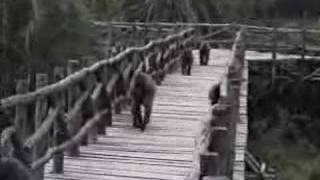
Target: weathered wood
x,y
59,134
93,133
87,108
21,114
209,164
304,35
219,143
76,77
74,117
274,53
103,100
70,143
44,128
41,110
215,178
108,50
181,24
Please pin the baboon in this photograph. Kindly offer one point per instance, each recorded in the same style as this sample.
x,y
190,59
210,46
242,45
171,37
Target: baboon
x,y
12,146
13,169
186,61
142,92
87,108
119,88
214,94
103,102
204,54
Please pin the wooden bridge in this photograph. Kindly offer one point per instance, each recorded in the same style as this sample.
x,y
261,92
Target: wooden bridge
x,y
186,139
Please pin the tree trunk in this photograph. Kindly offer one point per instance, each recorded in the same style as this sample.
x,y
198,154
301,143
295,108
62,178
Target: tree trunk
x,y
4,25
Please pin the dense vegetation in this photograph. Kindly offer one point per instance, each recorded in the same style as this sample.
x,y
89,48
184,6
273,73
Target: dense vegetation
x,y
38,34
284,118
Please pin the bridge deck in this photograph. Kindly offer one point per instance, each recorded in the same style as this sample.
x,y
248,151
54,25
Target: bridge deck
x,y
165,150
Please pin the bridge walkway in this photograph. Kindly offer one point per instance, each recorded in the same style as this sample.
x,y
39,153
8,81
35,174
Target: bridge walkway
x,y
165,150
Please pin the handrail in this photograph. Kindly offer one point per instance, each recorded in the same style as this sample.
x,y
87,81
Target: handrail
x,y
182,24
215,144
91,87
78,76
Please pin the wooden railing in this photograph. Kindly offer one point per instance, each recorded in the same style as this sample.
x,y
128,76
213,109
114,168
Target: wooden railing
x,y
260,38
214,151
74,109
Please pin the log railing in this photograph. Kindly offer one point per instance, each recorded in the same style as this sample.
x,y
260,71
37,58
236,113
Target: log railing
x,y
214,151
282,45
73,110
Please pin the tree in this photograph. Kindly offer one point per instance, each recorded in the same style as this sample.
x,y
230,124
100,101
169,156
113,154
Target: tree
x,y
155,10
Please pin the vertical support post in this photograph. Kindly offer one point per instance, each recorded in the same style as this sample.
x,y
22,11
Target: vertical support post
x,y
4,16
59,130
304,34
87,107
233,93
40,114
102,101
209,164
73,94
218,144
109,48
21,112
274,53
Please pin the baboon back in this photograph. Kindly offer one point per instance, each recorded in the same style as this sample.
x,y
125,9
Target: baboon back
x,y
214,94
143,88
187,58
204,49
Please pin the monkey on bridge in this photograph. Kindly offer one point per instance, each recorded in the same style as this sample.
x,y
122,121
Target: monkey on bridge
x,y
142,91
204,53
15,159
214,94
186,61
13,169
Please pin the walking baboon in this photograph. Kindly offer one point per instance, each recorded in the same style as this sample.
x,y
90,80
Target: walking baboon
x,y
142,92
186,61
13,169
214,94
204,54
12,146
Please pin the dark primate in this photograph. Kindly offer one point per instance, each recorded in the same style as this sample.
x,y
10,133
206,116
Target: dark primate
x,y
142,92
12,146
119,88
186,61
214,94
204,53
13,169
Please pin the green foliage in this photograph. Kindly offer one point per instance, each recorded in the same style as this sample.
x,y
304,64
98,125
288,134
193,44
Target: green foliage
x,y
62,31
155,10
284,118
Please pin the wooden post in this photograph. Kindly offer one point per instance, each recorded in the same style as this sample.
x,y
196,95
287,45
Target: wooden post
x,y
40,113
234,79
109,48
73,94
274,53
304,34
209,164
102,101
59,130
21,114
219,144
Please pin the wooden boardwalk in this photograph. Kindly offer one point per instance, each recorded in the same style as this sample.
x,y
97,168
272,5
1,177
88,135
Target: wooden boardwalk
x,y
165,150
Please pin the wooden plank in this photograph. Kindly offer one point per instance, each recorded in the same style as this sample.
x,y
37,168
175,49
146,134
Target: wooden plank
x,y
165,150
